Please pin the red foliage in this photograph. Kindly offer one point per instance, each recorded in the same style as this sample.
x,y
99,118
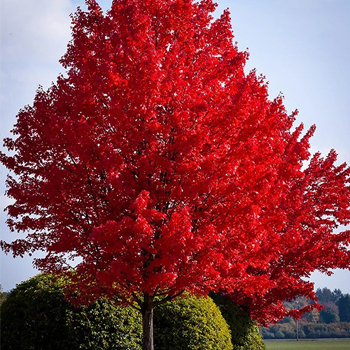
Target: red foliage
x,y
164,167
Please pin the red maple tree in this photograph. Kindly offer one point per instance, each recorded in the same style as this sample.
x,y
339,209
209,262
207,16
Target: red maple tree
x,y
165,168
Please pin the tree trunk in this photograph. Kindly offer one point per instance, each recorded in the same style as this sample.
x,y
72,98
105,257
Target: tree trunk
x,y
147,323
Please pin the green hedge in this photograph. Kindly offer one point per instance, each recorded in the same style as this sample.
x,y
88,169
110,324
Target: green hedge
x,y
190,323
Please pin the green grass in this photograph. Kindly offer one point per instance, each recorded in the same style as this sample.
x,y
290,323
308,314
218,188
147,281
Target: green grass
x,y
332,344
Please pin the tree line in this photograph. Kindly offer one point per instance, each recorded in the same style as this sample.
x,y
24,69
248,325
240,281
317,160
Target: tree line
x,y
333,321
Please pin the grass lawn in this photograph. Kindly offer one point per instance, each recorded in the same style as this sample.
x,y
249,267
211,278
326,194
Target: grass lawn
x,y
327,344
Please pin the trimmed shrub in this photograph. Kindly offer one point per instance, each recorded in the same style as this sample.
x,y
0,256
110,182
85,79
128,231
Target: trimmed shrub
x,y
190,323
245,333
35,315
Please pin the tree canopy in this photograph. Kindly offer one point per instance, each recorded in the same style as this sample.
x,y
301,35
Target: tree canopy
x,y
163,167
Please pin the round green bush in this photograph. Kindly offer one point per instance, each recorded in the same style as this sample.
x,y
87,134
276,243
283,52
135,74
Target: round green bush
x,y
190,323
245,333
35,315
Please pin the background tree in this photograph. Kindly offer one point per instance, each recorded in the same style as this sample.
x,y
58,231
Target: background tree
x,y
2,295
326,295
164,167
344,308
329,314
328,299
311,317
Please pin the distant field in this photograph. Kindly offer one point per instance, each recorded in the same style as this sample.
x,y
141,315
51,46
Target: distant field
x,y
332,344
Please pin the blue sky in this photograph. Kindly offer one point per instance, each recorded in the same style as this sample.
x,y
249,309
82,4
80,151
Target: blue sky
x,y
301,46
